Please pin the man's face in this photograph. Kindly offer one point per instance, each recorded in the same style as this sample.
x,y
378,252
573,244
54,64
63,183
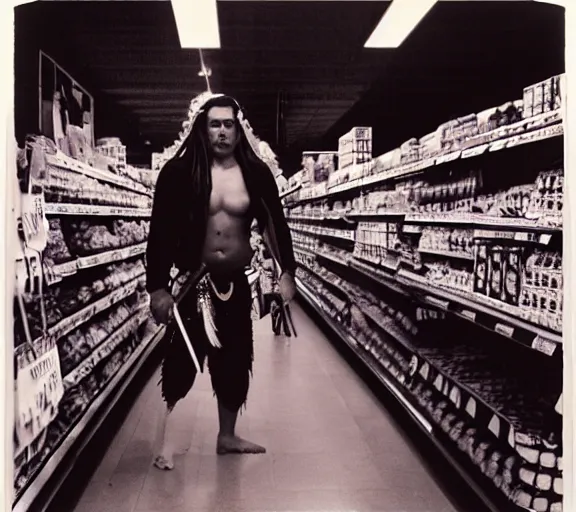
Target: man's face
x,y
222,132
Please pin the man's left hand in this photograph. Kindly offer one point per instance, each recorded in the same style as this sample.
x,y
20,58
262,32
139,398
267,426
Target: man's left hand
x,y
287,287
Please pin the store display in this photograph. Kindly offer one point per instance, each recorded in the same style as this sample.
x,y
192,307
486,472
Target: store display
x,y
467,255
81,309
355,147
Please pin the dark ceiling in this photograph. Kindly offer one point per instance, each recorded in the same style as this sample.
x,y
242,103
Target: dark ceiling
x,y
464,57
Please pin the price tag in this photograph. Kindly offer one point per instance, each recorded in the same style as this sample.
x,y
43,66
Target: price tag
x,y
470,315
515,141
450,157
476,151
443,304
498,145
543,345
90,261
486,233
505,330
138,249
545,239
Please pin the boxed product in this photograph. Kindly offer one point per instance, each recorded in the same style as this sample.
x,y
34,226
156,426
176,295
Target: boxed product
x,y
387,161
466,128
430,146
355,147
544,96
410,151
445,134
498,271
317,166
338,178
113,148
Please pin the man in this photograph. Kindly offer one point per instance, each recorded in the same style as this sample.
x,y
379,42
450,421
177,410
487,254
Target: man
x,y
205,201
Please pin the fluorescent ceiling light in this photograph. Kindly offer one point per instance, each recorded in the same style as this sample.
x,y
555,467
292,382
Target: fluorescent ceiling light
x,y
197,23
398,22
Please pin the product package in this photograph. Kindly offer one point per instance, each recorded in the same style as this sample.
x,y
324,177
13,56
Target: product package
x,y
317,166
355,147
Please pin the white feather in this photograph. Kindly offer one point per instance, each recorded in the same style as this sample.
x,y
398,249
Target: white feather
x,y
209,325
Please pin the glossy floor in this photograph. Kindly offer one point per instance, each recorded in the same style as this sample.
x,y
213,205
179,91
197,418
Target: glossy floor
x,y
331,445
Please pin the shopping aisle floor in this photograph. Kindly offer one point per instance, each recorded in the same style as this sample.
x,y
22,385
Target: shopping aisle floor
x,y
331,445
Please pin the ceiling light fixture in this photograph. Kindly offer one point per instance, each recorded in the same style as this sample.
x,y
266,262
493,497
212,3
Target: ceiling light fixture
x,y
399,20
197,23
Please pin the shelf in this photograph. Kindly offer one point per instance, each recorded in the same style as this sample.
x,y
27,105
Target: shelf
x,y
56,273
85,429
487,142
379,276
95,210
467,408
65,162
473,308
72,322
290,191
400,395
484,221
105,348
306,252
334,233
353,344
448,254
470,308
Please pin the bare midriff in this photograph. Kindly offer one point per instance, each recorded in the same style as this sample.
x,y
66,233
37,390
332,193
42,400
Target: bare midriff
x,y
227,246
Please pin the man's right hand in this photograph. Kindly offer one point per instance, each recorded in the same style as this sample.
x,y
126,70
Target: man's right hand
x,y
161,305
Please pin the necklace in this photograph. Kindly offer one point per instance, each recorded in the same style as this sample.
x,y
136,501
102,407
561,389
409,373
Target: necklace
x,y
224,297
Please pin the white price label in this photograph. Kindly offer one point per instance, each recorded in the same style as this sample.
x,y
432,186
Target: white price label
x,y
470,315
498,145
476,151
543,345
505,330
450,157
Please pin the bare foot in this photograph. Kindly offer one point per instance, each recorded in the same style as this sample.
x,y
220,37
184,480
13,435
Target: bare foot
x,y
237,445
164,463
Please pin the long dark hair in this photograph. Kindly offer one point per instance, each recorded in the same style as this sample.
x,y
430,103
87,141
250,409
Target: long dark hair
x,y
195,153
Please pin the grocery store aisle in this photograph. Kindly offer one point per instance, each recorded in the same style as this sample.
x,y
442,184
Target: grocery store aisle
x,y
331,445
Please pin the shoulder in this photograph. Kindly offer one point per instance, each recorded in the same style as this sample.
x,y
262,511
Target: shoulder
x,y
172,174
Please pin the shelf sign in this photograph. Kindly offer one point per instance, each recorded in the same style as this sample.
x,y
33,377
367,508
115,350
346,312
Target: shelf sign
x,y
39,389
470,315
505,330
478,150
498,145
543,345
450,157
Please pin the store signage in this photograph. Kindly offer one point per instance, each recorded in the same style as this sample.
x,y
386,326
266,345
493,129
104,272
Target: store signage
x,y
34,223
39,389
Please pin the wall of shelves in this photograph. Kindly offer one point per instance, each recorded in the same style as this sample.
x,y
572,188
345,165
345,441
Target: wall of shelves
x,y
84,328
442,269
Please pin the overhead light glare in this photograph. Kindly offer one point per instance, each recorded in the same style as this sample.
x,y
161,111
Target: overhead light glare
x,y
399,20
559,3
197,23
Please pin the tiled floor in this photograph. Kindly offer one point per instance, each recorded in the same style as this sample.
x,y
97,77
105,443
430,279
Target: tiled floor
x,y
331,445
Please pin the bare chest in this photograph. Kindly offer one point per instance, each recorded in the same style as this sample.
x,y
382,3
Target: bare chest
x,y
229,192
